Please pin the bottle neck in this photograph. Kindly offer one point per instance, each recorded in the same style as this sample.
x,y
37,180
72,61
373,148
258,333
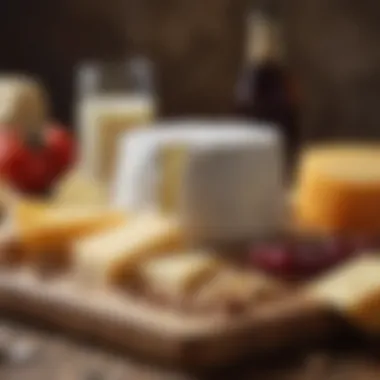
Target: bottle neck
x,y
263,42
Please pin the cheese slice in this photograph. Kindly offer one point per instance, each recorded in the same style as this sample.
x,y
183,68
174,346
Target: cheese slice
x,y
237,289
79,189
338,189
354,290
41,228
114,255
180,274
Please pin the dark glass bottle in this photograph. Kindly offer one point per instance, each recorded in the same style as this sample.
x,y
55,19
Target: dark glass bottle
x,y
265,90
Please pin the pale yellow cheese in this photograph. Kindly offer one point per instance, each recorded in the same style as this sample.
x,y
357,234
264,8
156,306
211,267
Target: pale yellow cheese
x,y
113,255
77,189
236,288
41,227
179,274
338,189
354,290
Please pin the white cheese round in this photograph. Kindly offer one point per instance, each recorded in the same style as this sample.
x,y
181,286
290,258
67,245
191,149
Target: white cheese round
x,y
224,178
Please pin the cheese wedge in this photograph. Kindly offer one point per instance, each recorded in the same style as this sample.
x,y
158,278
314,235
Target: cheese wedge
x,y
77,189
235,290
113,256
338,190
180,274
42,230
354,290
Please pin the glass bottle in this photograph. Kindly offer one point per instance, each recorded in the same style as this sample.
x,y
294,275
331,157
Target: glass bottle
x,y
113,98
265,90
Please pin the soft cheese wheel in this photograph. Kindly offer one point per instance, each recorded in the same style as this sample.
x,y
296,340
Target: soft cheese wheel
x,y
338,190
223,178
354,290
112,257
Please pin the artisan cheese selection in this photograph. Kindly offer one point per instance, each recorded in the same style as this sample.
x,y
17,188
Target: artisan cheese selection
x,y
223,179
353,289
338,190
112,257
179,274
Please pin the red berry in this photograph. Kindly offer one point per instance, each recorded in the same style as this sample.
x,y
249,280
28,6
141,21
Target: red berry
x,y
274,258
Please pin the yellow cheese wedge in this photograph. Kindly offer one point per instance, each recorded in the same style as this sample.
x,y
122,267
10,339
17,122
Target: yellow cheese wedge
x,y
354,290
41,228
180,274
80,190
338,189
114,255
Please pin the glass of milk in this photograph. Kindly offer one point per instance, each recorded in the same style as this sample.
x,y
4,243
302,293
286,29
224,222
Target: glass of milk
x,y
113,98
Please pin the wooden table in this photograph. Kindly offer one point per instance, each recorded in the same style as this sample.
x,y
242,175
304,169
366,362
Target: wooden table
x,y
36,354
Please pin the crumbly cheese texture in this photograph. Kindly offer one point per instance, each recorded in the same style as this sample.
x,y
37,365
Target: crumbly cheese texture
x,y
354,290
112,256
338,189
79,189
223,180
179,274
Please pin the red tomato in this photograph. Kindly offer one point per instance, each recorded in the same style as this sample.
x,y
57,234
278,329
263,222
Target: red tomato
x,y
32,169
61,146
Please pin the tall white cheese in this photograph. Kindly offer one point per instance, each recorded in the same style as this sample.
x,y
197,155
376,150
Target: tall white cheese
x,y
224,178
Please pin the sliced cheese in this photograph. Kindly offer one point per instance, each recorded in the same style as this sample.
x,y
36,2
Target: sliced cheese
x,y
114,255
78,189
338,189
236,289
354,290
180,274
41,228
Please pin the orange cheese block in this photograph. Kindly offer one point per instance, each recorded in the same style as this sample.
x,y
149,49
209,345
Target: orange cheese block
x,y
338,190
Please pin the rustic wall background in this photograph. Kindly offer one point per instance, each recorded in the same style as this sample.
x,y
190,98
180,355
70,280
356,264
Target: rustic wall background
x,y
198,45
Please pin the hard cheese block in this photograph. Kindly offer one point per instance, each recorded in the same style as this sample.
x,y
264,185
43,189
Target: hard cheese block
x,y
41,227
223,179
112,257
180,274
338,190
354,290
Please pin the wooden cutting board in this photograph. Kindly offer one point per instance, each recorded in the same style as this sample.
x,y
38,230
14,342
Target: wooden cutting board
x,y
160,334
